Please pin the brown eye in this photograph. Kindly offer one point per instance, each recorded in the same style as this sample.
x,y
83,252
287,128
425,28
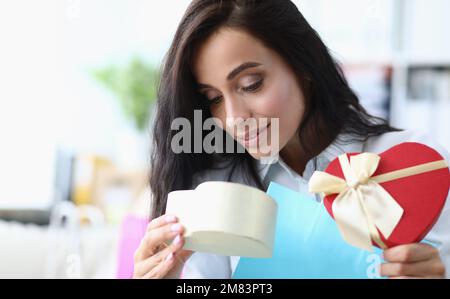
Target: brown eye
x,y
210,99
253,87
216,100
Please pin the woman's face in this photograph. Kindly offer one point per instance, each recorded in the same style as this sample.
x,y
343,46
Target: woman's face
x,y
248,87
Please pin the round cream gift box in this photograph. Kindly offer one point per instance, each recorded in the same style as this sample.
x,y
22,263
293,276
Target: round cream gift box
x,y
226,218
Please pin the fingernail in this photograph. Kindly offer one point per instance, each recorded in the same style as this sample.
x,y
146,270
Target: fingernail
x,y
176,227
169,257
177,239
170,218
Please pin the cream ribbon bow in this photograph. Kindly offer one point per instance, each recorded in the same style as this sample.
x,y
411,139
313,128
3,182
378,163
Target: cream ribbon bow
x,y
362,206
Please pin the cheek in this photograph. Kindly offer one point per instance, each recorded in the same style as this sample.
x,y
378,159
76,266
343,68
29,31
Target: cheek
x,y
275,99
285,102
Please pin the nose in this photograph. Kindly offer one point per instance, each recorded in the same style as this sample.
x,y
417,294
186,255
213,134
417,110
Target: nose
x,y
236,110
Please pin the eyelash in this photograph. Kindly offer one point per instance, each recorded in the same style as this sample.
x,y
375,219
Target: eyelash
x,y
252,88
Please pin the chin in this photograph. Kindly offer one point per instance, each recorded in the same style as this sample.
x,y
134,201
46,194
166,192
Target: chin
x,y
267,155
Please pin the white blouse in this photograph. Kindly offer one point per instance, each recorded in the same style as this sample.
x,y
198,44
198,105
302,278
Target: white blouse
x,y
205,265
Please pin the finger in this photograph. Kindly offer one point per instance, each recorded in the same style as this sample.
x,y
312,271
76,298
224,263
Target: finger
x,y
161,269
160,221
153,239
165,260
409,253
163,234
146,265
423,269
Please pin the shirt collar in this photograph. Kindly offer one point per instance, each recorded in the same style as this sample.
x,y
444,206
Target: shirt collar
x,y
342,144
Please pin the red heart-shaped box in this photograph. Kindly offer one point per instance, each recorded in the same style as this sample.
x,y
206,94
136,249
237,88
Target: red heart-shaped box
x,y
421,196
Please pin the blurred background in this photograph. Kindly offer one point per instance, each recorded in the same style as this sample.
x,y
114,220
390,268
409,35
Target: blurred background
x,y
77,88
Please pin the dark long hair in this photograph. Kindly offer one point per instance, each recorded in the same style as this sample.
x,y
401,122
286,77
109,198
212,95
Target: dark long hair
x,y
331,107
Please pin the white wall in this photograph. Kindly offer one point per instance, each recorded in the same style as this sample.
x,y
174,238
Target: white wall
x,y
47,96
427,36
29,91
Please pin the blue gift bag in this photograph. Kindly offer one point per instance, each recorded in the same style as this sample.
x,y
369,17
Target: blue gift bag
x,y
308,244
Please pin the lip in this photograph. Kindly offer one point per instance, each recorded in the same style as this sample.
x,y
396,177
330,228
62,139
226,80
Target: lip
x,y
250,138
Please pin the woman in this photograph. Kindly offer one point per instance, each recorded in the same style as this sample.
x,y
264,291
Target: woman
x,y
244,59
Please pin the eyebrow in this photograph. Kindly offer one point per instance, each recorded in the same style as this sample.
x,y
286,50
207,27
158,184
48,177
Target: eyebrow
x,y
235,72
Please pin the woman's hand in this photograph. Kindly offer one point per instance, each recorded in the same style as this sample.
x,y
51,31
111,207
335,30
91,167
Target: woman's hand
x,y
412,261
155,258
